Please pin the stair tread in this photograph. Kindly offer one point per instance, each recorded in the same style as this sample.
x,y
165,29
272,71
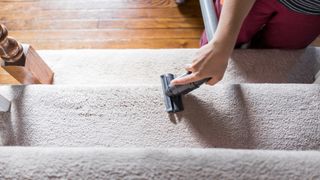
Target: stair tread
x,y
145,66
259,116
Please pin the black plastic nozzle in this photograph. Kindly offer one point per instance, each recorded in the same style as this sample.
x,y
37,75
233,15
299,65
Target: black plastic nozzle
x,y
173,94
173,103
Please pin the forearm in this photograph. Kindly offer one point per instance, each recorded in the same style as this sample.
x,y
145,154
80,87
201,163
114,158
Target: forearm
x,y
212,60
232,16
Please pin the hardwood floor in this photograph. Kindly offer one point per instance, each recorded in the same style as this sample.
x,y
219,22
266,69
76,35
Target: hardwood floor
x,y
61,24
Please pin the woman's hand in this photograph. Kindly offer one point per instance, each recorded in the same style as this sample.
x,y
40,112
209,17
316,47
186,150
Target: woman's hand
x,y
212,59
210,62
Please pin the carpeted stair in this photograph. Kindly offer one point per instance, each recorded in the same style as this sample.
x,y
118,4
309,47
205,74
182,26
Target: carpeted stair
x,y
124,163
104,99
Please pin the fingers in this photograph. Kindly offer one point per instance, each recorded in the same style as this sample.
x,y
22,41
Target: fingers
x,y
185,80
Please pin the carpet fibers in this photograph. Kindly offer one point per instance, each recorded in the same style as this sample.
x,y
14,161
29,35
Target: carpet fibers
x,y
104,118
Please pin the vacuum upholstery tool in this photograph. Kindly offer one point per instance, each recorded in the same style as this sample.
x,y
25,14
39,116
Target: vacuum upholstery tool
x,y
184,89
173,93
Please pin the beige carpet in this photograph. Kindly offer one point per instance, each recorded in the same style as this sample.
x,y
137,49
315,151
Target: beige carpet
x,y
124,67
113,98
230,116
123,163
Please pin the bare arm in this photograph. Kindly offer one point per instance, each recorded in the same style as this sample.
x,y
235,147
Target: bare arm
x,y
212,59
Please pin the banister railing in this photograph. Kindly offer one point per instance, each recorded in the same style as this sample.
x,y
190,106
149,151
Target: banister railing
x,y
22,62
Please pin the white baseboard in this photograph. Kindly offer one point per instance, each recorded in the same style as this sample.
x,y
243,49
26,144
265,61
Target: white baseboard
x,y
317,78
4,104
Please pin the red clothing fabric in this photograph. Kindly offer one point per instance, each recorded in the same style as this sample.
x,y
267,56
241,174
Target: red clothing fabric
x,y
270,24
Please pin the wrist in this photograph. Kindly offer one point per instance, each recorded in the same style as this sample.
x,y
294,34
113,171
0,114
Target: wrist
x,y
221,49
222,45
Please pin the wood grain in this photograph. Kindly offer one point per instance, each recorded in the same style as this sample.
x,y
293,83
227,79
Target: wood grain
x,y
116,43
60,24
6,78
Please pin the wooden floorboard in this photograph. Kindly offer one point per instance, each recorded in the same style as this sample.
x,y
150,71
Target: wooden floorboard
x,y
61,24
139,23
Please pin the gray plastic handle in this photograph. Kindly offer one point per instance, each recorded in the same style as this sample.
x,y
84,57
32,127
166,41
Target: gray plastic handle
x,y
209,17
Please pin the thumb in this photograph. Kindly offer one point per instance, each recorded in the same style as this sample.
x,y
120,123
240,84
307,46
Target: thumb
x,y
185,80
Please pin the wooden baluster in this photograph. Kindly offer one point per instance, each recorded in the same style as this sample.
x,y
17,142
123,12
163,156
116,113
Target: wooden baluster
x,y
22,61
10,50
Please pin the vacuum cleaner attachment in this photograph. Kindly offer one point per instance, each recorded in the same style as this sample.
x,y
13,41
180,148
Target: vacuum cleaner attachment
x,y
173,103
173,94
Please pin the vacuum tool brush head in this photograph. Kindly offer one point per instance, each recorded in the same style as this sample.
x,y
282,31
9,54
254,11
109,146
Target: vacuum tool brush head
x,y
173,103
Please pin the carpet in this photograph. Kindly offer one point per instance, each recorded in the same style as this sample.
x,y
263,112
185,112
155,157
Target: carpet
x,y
124,163
265,105
138,67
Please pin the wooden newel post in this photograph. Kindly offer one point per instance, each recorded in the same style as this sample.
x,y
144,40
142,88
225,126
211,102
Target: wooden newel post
x,y
22,61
